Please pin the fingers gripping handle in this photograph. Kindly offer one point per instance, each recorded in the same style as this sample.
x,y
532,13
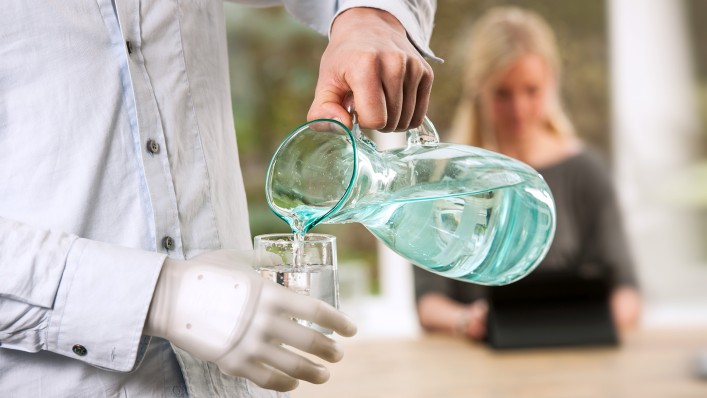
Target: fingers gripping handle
x,y
424,135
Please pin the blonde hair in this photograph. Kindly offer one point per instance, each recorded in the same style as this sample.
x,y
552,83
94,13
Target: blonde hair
x,y
500,37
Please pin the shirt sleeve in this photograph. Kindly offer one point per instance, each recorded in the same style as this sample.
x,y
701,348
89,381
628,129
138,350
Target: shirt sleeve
x,y
416,16
59,291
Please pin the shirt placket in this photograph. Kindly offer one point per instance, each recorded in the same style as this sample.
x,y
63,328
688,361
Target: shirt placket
x,y
149,136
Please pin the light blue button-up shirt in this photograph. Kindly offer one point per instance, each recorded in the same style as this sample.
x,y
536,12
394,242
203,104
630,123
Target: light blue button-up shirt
x,y
116,136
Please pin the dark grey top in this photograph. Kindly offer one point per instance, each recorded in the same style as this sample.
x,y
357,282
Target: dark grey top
x,y
589,239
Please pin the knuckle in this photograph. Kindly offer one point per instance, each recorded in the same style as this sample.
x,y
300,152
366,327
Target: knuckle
x,y
366,61
419,64
397,62
429,75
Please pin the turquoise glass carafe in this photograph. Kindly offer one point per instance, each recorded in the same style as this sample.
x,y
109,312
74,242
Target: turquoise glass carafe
x,y
459,211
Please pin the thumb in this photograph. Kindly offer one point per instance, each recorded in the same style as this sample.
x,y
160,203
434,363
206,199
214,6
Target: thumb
x,y
329,104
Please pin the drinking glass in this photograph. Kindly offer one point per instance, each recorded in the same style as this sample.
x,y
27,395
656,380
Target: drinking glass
x,y
308,267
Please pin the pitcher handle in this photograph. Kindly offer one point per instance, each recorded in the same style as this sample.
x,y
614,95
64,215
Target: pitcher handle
x,y
424,135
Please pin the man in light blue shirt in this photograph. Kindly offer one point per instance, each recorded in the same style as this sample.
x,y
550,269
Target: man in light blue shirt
x,y
119,179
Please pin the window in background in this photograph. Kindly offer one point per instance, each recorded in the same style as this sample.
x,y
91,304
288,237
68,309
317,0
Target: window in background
x,y
274,65
697,12
658,150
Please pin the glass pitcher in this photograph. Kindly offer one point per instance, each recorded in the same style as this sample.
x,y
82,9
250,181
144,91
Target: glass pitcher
x,y
459,211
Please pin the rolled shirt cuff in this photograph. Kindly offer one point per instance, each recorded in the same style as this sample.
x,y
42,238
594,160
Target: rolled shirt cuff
x,y
102,303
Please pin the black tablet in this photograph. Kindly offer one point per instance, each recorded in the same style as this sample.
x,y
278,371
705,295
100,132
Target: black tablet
x,y
550,310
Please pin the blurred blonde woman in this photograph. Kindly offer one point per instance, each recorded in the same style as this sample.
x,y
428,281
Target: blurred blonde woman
x,y
511,104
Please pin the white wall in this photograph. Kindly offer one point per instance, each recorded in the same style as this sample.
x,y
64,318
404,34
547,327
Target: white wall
x,y
392,313
655,132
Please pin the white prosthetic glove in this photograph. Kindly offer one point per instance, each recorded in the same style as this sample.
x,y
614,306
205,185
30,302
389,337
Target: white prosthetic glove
x,y
216,307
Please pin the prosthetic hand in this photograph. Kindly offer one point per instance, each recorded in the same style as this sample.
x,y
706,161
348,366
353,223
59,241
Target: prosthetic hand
x,y
216,307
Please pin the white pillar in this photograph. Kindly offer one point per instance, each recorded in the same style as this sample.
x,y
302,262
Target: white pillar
x,y
396,308
655,132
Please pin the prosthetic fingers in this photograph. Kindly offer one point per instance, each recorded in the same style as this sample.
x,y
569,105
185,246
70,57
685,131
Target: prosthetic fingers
x,y
216,307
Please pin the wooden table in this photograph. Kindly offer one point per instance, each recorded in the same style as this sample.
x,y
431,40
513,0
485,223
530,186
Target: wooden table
x,y
649,363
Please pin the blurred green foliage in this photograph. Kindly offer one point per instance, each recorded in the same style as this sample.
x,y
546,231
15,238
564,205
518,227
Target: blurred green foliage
x,y
274,62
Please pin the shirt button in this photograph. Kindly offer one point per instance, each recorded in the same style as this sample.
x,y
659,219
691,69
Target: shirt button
x,y
79,350
153,147
168,242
